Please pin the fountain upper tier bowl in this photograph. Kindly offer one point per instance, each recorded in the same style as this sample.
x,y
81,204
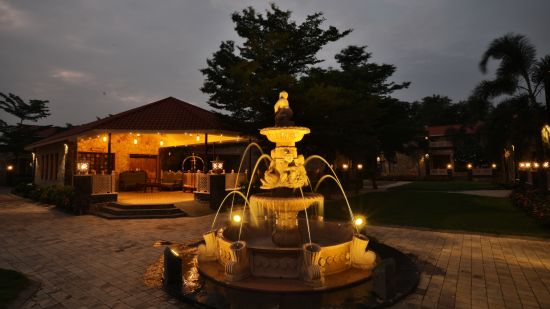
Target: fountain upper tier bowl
x,y
285,203
285,136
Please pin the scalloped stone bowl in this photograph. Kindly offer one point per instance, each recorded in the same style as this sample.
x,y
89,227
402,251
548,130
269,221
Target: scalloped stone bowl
x,y
285,136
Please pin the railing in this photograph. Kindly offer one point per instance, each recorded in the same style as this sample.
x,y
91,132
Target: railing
x,y
482,172
234,178
438,172
203,182
103,184
441,144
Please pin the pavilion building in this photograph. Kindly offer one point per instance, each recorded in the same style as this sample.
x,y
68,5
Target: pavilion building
x,y
129,141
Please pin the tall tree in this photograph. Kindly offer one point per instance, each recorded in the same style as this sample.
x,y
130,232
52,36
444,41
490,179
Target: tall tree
x,y
350,109
32,111
244,80
519,73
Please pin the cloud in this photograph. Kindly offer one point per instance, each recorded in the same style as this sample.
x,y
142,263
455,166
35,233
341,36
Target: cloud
x,y
11,18
70,76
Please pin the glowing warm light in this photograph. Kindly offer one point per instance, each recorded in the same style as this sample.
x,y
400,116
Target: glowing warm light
x,y
237,218
217,166
378,159
449,166
135,141
345,166
427,156
174,252
494,165
545,164
9,167
359,221
104,138
521,164
359,166
82,167
161,142
469,166
197,138
536,165
528,165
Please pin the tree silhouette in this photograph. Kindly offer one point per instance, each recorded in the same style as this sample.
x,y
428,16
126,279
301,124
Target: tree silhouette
x,y
32,111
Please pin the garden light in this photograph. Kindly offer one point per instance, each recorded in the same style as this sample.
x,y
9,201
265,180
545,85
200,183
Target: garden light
x,y
82,167
237,218
217,166
359,221
449,166
469,166
345,166
359,166
174,252
9,167
494,165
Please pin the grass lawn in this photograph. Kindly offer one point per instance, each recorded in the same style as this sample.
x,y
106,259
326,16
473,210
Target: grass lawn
x,y
11,283
441,210
452,185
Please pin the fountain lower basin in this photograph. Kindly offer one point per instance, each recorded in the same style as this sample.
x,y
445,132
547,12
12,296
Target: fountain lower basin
x,y
329,262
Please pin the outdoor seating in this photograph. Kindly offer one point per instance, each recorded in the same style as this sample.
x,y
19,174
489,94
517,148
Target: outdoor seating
x,y
171,180
132,180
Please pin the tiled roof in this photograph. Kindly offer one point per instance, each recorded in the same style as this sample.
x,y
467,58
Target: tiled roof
x,y
169,114
442,130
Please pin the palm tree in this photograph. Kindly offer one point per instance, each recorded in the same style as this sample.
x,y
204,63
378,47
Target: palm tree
x,y
519,74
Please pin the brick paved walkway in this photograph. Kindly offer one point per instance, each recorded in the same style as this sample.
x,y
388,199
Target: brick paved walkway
x,y
91,262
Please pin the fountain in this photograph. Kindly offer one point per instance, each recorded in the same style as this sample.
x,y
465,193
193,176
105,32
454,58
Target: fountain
x,y
273,245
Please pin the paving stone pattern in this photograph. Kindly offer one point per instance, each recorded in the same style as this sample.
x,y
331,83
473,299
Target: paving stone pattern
x,y
90,262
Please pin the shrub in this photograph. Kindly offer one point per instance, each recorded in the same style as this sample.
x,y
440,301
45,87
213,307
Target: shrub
x,y
64,197
23,189
60,196
535,203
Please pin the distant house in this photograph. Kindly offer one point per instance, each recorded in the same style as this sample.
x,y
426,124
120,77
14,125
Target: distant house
x,y
441,159
131,140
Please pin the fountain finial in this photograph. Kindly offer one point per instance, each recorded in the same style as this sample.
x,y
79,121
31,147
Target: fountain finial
x,y
283,113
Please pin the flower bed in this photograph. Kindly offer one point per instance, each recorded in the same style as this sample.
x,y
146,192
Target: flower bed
x,y
534,202
60,196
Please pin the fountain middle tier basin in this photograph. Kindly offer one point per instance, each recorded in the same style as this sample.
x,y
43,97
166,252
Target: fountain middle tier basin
x,y
335,258
285,208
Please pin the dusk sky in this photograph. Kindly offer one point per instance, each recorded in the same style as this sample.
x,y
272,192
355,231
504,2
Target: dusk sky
x,y
93,58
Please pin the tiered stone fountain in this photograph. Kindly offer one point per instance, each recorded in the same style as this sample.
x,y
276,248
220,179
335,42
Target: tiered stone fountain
x,y
294,254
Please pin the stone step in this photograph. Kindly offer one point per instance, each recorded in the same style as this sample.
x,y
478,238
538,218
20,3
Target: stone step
x,y
139,216
140,211
143,206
